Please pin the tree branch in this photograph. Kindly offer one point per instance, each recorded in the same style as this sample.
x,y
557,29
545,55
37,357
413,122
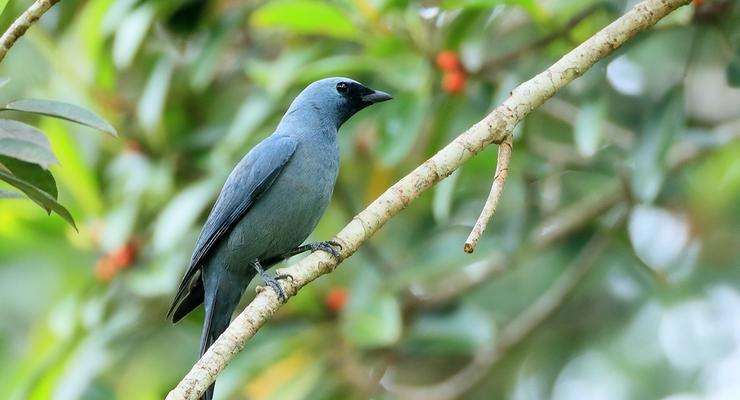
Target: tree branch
x,y
494,128
22,23
497,188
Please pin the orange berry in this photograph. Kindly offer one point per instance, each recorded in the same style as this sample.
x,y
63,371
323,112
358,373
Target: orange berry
x,y
698,3
105,269
336,298
124,256
448,61
454,82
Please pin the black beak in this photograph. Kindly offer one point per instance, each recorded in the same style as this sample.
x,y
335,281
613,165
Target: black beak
x,y
376,97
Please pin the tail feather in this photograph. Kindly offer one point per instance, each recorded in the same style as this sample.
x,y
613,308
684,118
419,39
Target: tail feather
x,y
220,302
213,327
189,296
187,303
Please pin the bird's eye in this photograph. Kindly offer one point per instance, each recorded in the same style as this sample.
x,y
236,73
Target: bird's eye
x,y
342,87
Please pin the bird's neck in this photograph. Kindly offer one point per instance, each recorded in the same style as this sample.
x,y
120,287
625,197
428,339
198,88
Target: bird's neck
x,y
309,116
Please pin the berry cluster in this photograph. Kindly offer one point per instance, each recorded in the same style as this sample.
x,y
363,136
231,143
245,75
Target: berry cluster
x,y
454,76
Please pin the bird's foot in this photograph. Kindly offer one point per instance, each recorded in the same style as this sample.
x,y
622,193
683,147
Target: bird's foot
x,y
329,246
275,285
272,282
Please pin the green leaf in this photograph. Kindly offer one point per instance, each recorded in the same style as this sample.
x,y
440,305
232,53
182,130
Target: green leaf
x,y
179,216
658,236
66,111
31,173
214,45
451,4
530,6
77,173
278,75
131,33
112,19
400,125
461,331
39,196
377,323
305,17
733,71
443,197
662,126
589,127
25,142
253,112
655,65
151,104
373,316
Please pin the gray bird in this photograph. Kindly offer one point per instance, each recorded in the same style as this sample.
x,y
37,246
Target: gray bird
x,y
270,203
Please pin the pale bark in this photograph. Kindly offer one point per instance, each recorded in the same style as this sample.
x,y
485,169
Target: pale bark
x,y
497,189
22,23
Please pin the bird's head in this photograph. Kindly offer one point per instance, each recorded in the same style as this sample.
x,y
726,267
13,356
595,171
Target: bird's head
x,y
336,99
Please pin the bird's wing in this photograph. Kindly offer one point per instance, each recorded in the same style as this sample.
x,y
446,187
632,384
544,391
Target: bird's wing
x,y
251,178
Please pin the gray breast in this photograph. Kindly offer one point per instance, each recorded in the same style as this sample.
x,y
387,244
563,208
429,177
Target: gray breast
x,y
290,210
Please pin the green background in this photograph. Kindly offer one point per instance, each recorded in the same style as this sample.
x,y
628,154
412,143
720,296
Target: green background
x,y
609,270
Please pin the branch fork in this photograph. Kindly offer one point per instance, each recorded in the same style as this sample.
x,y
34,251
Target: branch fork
x,y
497,188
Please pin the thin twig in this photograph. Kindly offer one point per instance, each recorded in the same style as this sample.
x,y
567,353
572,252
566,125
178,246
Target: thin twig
x,y
568,112
355,372
497,188
502,61
577,215
512,334
463,280
560,155
689,150
494,128
22,23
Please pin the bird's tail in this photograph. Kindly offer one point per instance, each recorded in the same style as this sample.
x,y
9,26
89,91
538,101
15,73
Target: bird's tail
x,y
219,305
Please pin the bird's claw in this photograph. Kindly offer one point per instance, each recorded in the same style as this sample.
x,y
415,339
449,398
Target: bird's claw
x,y
328,247
272,282
275,285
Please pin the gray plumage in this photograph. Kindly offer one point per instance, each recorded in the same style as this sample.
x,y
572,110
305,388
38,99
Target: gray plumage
x,y
270,203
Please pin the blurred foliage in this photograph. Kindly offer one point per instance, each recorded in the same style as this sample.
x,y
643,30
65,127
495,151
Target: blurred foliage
x,y
26,154
639,152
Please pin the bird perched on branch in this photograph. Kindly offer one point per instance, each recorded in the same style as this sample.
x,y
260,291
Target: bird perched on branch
x,y
270,203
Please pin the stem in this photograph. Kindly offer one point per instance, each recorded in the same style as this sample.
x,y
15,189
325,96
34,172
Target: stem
x,y
22,23
497,189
